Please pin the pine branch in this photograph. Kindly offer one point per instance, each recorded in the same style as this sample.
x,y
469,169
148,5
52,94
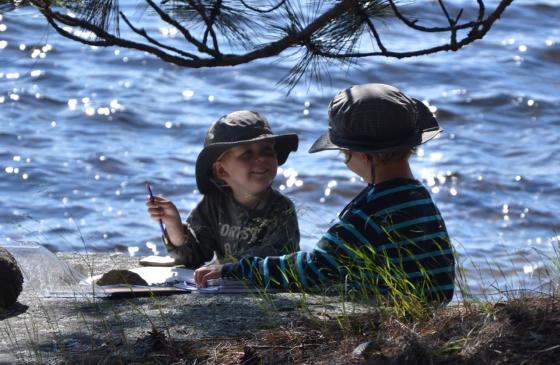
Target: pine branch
x,y
185,32
108,39
209,24
144,34
412,23
237,25
320,32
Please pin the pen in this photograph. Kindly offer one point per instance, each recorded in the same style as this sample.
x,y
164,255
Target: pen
x,y
164,234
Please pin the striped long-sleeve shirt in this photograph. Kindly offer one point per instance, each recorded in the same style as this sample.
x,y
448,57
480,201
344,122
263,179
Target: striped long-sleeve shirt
x,y
390,240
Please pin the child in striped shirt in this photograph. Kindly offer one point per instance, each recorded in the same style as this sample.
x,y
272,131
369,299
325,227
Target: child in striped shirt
x,y
391,239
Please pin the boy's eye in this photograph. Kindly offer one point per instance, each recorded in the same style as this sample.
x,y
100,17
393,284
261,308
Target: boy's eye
x,y
246,154
249,154
268,151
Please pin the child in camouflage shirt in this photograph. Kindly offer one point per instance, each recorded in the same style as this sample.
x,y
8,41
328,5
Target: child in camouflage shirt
x,y
240,214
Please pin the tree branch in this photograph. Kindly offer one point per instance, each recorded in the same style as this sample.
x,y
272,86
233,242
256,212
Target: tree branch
x,y
108,39
369,23
209,26
412,23
73,37
452,24
473,35
481,10
213,15
330,35
257,10
166,18
143,33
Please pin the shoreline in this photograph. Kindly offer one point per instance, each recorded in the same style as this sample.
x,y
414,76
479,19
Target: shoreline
x,y
281,328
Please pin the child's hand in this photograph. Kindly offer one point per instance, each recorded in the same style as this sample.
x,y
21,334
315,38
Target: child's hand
x,y
161,208
205,273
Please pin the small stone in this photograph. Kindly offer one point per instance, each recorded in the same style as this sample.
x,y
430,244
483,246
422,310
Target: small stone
x,y
11,279
250,357
115,277
363,349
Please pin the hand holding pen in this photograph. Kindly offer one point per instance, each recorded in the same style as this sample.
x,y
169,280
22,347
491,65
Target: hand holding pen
x,y
167,214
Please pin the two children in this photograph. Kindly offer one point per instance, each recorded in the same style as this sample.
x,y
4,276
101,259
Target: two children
x,y
240,214
390,240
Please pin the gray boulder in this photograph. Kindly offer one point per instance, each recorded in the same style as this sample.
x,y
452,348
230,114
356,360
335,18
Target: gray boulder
x,y
11,279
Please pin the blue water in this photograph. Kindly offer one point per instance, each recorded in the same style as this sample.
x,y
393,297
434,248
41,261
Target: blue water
x,y
82,129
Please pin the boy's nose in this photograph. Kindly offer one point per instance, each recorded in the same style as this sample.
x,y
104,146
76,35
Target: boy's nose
x,y
260,157
262,162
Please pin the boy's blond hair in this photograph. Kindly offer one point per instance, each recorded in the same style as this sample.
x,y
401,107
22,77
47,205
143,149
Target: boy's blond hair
x,y
401,154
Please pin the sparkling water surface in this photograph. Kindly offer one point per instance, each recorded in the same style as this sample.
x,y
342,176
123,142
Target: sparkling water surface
x,y
83,128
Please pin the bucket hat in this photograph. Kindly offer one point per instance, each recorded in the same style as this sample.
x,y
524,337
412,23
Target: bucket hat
x,y
376,118
231,130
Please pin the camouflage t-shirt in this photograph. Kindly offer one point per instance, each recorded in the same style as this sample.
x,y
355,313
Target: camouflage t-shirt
x,y
219,223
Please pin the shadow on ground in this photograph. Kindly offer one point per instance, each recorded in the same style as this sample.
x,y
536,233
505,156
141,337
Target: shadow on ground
x,y
13,311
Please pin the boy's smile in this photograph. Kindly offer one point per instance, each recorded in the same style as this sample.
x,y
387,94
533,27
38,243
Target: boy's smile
x,y
248,169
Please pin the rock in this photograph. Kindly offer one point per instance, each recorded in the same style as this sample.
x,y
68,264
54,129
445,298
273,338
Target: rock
x,y
115,277
363,349
11,279
250,357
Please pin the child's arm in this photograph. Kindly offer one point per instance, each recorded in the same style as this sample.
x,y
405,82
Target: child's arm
x,y
422,265
191,243
200,240
296,271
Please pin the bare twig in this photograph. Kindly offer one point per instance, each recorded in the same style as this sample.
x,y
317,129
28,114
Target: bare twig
x,y
280,3
412,23
452,23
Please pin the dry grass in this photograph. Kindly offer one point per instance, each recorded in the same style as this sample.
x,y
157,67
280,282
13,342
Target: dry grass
x,y
520,331
523,329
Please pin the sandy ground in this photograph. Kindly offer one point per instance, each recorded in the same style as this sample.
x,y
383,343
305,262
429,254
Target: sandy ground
x,y
49,330
278,329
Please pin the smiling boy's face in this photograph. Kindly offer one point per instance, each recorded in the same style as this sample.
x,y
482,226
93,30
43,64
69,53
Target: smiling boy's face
x,y
248,169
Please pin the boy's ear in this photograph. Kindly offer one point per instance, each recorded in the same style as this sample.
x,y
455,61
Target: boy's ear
x,y
218,171
365,157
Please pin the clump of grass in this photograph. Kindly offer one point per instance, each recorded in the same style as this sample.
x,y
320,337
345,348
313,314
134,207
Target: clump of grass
x,y
520,328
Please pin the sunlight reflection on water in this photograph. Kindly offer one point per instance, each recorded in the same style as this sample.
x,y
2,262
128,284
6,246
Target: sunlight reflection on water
x,y
82,128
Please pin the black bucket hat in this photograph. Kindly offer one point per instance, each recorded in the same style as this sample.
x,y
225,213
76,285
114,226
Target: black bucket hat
x,y
376,118
232,130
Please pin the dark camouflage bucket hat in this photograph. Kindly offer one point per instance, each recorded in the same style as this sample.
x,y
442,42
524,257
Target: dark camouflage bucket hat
x,y
376,118
232,130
